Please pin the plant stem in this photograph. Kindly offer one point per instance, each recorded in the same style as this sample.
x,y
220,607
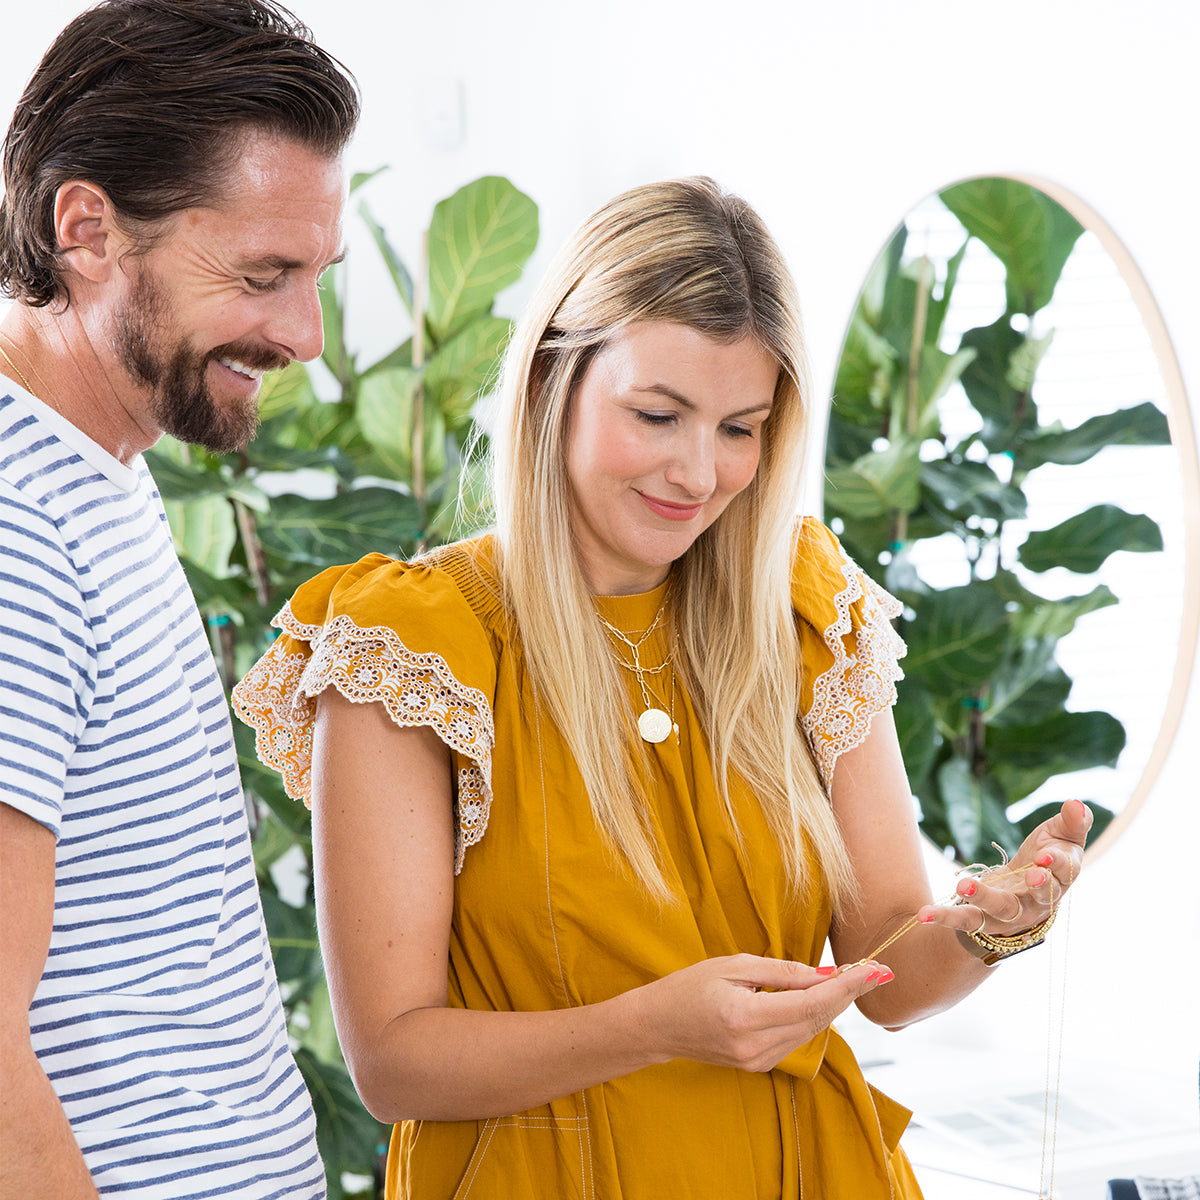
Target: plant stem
x,y
915,346
912,409
256,560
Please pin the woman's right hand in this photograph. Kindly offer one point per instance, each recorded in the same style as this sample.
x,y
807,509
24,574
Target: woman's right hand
x,y
745,1011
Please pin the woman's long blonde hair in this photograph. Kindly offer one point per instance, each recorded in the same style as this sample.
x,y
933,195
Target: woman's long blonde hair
x,y
681,251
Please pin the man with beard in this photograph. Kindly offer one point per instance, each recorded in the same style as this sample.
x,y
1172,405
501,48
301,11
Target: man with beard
x,y
173,193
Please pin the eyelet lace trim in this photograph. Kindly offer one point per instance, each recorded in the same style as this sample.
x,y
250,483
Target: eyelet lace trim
x,y
861,682
277,698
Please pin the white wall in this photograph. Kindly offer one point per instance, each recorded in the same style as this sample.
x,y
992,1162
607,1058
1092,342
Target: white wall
x,y
832,118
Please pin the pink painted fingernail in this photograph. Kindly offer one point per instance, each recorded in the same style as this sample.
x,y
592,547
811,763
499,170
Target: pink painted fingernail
x,y
881,977
1045,860
927,919
827,971
1041,881
969,890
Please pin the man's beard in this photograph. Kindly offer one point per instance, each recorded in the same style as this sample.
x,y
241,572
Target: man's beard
x,y
181,403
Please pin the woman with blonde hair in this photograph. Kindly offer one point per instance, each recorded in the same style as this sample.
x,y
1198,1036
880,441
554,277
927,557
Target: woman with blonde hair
x,y
591,792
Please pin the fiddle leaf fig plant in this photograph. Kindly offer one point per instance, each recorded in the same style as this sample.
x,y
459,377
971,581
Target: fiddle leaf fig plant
x,y
377,467
984,716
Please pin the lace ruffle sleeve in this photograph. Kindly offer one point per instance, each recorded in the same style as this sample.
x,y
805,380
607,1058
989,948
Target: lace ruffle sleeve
x,y
851,652
388,632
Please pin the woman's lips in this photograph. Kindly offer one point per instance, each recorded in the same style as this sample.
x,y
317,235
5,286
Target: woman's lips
x,y
669,511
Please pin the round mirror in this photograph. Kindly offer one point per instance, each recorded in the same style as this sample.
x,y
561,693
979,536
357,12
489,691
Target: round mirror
x,y
1010,453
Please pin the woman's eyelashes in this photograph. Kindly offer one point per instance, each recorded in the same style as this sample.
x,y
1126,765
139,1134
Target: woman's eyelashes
x,y
660,419
655,418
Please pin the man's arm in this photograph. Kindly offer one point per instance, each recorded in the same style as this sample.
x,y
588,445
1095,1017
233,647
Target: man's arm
x,y
38,1152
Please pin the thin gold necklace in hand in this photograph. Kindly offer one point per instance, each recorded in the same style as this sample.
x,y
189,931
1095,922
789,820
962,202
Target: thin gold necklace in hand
x,y
654,723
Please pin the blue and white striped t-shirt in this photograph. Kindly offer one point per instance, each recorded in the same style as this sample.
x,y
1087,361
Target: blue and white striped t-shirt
x,y
158,1018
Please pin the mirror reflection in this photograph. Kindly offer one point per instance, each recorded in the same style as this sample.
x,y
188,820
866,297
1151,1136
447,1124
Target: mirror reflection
x,y
999,457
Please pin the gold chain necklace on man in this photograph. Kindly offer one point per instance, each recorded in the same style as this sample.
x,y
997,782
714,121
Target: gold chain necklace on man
x,y
20,374
655,724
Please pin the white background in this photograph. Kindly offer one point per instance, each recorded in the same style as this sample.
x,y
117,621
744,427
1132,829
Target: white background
x,y
833,119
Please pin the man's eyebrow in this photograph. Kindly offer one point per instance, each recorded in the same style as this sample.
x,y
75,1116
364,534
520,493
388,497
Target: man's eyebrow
x,y
662,389
279,262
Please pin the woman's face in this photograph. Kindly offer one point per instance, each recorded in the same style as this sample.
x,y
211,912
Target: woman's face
x,y
663,431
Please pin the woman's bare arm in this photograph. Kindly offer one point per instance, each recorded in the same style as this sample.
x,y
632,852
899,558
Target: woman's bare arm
x,y
874,810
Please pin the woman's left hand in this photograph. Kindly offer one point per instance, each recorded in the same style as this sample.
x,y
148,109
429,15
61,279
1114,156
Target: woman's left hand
x,y
1007,902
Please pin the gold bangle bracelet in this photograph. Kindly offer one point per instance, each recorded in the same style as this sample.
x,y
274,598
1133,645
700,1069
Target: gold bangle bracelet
x,y
991,948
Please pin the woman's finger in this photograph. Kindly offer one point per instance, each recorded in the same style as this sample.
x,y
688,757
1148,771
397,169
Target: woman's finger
x,y
778,974
820,1006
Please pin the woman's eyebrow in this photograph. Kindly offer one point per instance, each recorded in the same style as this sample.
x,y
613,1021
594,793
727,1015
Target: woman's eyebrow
x,y
663,389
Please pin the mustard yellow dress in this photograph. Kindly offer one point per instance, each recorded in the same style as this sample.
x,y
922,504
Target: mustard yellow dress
x,y
543,919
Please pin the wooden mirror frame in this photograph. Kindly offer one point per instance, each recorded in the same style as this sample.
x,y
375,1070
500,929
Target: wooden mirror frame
x,y
1183,439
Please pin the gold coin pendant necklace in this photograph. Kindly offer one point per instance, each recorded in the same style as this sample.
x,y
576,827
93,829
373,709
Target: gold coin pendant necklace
x,y
655,724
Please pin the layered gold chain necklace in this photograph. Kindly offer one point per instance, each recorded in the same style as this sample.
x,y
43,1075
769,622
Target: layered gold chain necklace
x,y
656,722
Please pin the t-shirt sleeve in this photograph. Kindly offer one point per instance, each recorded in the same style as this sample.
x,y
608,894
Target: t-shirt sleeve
x,y
387,632
47,661
851,652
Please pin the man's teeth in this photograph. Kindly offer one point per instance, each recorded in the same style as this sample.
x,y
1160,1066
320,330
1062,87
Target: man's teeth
x,y
241,368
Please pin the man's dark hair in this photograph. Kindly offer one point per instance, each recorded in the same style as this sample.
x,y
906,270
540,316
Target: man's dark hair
x,y
150,100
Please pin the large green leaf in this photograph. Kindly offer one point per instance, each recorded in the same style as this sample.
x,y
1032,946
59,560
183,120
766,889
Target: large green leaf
x,y
1024,362
225,595
864,374
1143,425
284,392
343,529
877,483
986,380
204,531
479,240
401,278
847,440
1028,232
384,408
178,480
293,936
896,290
321,1036
976,811
939,305
957,639
1056,618
1028,685
465,367
1023,757
939,372
970,488
272,840
1081,543
385,413
916,730
335,355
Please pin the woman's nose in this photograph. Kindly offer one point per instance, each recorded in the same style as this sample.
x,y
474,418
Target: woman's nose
x,y
693,467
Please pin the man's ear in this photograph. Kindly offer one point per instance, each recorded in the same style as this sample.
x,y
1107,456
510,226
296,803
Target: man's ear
x,y
89,241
